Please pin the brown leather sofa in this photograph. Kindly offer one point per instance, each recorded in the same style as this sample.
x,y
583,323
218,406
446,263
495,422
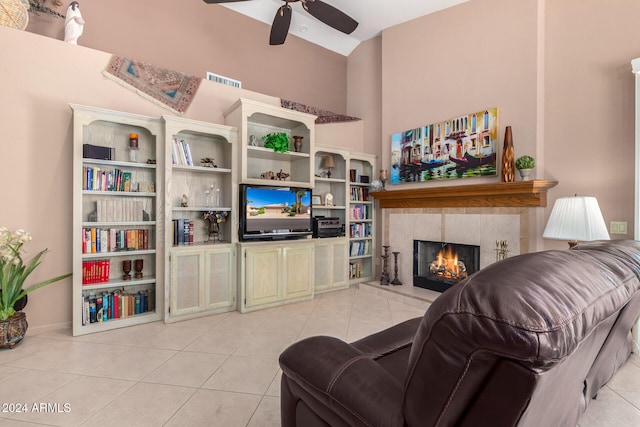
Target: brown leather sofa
x,y
527,341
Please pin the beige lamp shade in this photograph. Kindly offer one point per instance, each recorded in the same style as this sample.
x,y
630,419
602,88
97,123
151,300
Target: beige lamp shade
x,y
576,219
328,162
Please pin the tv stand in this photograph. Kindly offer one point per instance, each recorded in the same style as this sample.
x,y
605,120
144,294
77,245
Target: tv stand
x,y
275,273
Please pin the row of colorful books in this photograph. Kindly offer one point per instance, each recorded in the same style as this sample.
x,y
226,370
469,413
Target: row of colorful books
x,y
360,247
97,179
360,194
101,240
181,153
360,230
119,210
183,232
355,270
360,212
96,271
118,304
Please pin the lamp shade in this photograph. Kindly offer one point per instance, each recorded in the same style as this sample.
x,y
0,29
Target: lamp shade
x,y
576,218
328,162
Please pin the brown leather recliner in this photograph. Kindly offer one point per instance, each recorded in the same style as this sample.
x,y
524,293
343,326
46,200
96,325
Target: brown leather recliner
x,y
527,341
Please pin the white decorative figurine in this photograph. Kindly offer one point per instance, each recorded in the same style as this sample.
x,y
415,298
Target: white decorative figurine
x,y
74,24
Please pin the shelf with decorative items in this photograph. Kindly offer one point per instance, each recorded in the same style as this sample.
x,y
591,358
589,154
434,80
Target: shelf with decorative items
x,y
275,144
360,227
117,263
200,218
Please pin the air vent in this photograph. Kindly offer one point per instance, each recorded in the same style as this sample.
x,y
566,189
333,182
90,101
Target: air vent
x,y
224,80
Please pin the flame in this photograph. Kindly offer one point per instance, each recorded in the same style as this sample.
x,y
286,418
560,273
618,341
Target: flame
x,y
448,260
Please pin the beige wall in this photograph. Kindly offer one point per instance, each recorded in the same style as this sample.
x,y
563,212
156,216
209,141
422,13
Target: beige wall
x,y
557,70
589,102
194,37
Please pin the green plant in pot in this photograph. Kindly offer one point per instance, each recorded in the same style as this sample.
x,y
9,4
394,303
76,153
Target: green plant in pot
x,y
13,273
278,141
524,164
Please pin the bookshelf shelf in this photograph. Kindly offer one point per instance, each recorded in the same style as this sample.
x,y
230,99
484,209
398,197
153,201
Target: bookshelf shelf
x,y
117,193
119,254
201,169
361,225
119,223
98,275
113,163
120,283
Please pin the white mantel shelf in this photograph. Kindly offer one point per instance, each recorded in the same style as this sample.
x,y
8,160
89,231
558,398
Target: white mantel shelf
x,y
501,194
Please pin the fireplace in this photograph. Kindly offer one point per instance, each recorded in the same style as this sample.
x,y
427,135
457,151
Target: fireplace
x,y
440,265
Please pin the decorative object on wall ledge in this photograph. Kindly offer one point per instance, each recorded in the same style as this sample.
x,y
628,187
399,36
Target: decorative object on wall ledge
x,y
576,219
384,176
73,24
461,147
323,116
167,88
525,165
508,157
14,14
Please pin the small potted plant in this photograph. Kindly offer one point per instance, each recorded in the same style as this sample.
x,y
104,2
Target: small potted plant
x,y
278,141
13,273
524,164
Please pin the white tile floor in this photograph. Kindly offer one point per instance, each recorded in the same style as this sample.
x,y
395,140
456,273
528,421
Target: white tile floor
x,y
220,370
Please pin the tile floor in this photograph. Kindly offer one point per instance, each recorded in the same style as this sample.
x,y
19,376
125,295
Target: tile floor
x,y
220,370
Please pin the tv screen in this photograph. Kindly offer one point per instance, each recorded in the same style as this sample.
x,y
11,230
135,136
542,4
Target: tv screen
x,y
269,212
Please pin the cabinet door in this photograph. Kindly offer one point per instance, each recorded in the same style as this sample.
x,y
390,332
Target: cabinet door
x,y
186,274
340,265
323,258
219,289
262,276
297,271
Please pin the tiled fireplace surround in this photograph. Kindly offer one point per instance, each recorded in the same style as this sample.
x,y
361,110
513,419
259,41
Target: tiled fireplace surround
x,y
475,226
477,214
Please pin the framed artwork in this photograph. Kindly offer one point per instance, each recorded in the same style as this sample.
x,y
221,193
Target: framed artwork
x,y
316,200
461,147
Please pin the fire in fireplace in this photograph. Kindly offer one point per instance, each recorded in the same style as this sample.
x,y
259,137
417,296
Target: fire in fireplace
x,y
440,265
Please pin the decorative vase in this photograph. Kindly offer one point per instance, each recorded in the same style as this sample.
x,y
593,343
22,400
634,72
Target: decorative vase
x,y
13,330
297,143
524,173
508,158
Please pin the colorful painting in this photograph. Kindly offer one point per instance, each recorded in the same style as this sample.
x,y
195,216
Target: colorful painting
x,y
462,147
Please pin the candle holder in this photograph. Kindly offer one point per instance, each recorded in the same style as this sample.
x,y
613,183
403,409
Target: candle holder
x,y
396,281
139,265
384,176
126,268
384,279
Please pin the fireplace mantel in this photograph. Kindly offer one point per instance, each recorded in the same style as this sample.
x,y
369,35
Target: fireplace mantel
x,y
500,194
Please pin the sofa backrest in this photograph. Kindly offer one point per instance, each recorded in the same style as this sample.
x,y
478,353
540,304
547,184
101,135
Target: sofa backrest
x,y
517,341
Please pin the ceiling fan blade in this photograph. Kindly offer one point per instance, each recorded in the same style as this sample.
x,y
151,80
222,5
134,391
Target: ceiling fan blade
x,y
221,1
331,16
280,27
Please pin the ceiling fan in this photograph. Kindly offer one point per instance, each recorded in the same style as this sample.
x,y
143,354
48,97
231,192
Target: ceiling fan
x,y
317,8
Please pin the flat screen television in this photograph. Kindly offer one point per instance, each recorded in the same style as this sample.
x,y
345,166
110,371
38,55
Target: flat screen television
x,y
273,213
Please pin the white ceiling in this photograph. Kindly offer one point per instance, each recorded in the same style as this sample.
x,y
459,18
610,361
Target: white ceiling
x,y
373,17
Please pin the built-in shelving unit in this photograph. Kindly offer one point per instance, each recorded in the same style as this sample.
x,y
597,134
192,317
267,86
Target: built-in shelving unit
x,y
117,225
255,120
200,181
360,226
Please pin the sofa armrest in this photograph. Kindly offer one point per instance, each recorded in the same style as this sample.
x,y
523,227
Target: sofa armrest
x,y
336,377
